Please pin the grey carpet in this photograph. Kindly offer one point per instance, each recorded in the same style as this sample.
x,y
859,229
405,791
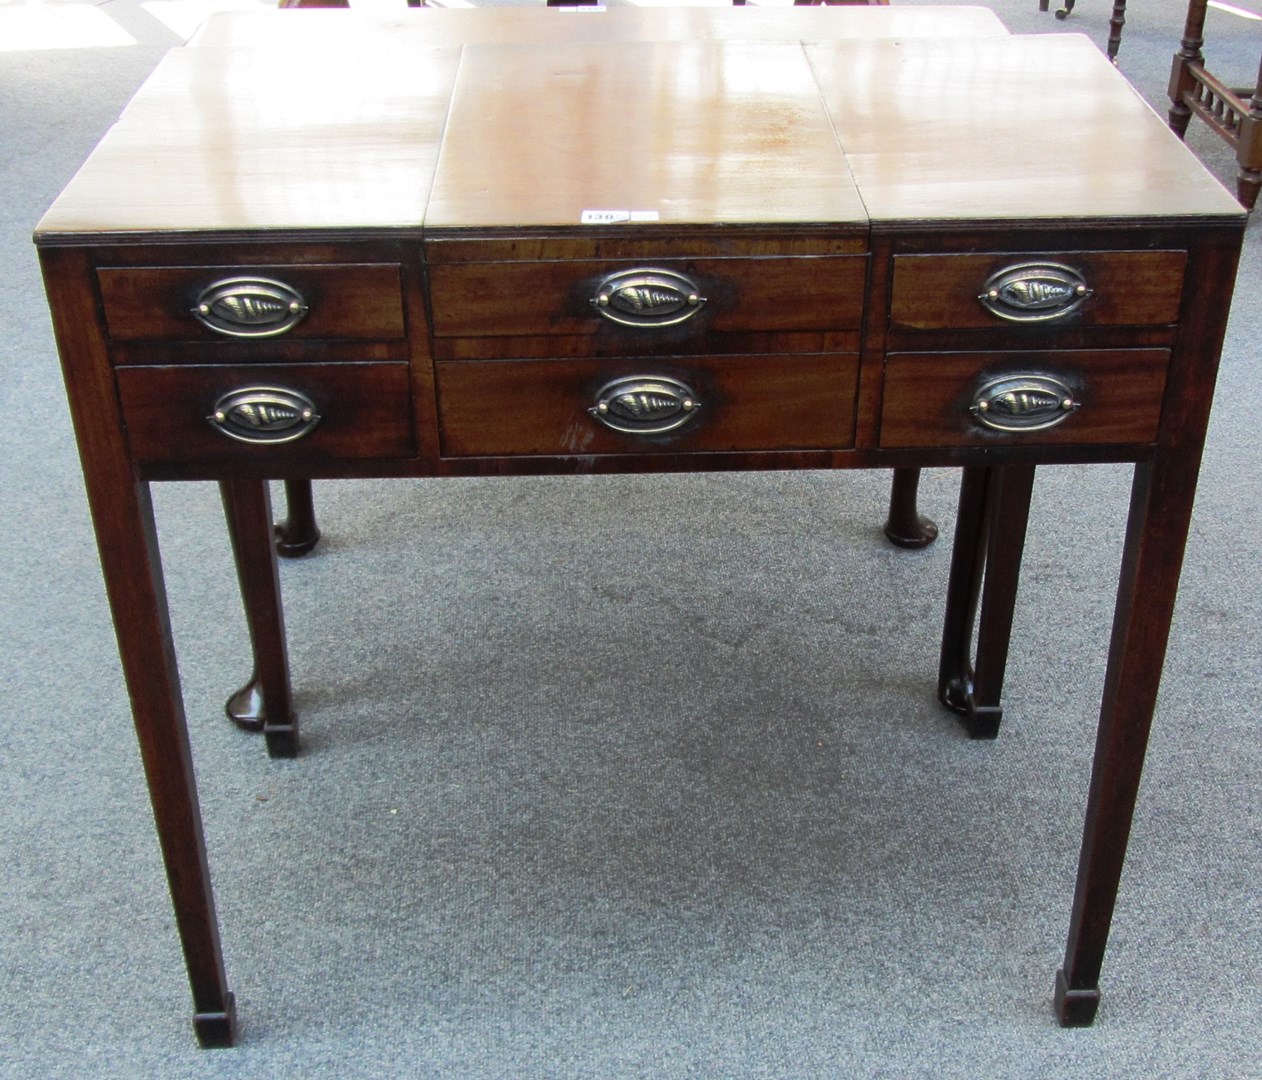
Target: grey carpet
x,y
618,777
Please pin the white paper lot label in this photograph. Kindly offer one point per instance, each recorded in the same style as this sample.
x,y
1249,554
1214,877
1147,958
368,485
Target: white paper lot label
x,y
615,217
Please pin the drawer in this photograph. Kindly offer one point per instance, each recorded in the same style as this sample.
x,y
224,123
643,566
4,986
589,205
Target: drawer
x,y
489,299
347,300
1044,398
1080,288
358,411
568,407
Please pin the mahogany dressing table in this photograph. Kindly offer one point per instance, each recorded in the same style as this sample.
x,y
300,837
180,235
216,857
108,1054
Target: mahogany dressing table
x,y
507,242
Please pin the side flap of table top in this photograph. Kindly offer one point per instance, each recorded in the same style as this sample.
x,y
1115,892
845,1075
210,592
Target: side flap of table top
x,y
1023,128
229,142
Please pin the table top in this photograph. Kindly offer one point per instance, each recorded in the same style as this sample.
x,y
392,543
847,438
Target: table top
x,y
835,122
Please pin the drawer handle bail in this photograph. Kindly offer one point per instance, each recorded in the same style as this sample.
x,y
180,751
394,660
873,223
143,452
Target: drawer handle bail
x,y
1023,403
645,405
264,415
647,298
251,307
1034,292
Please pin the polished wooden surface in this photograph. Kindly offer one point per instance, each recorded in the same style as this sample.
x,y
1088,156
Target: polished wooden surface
x,y
1018,165
812,189
524,25
230,141
714,134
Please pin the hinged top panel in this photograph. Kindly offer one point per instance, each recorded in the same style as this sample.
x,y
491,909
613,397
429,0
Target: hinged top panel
x,y
1005,129
229,141
639,133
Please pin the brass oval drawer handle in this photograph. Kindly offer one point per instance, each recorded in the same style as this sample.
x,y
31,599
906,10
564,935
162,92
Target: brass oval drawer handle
x,y
1023,403
647,298
264,415
645,405
251,307
1034,292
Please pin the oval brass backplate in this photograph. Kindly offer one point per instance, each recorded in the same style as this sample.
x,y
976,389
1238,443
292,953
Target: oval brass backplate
x,y
251,307
645,405
647,297
1023,402
1034,292
266,415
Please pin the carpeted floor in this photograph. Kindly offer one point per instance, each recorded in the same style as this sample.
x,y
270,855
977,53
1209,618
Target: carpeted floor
x,y
599,798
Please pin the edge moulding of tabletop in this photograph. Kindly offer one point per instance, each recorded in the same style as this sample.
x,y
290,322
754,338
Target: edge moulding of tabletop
x,y
296,299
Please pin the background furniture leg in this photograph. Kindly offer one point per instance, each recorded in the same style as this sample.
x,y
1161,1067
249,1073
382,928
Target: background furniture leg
x,y
265,703
1117,20
298,533
1249,152
1181,80
905,526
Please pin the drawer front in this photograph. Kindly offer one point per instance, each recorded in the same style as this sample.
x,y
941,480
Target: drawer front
x,y
353,300
581,297
711,404
255,412
1081,288
1044,398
